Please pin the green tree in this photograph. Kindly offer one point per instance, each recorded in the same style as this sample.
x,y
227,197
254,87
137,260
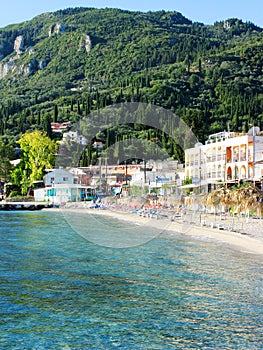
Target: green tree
x,y
55,116
38,153
6,154
46,124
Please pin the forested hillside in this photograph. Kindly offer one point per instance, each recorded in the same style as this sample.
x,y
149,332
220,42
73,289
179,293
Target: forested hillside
x,y
61,66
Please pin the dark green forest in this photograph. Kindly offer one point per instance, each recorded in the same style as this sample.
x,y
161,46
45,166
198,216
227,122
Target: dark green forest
x,y
76,61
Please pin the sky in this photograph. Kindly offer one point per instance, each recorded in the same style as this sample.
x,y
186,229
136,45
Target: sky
x,y
204,11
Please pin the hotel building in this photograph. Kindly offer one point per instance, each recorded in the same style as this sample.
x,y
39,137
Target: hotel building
x,y
225,157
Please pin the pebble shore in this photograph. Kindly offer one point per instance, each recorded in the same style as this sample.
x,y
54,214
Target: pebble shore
x,y
245,234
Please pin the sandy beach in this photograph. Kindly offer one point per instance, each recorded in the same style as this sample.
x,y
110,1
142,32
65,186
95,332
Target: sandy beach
x,y
247,238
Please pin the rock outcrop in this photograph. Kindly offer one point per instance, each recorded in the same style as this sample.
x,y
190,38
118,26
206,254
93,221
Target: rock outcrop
x,y
6,67
57,28
19,44
85,43
32,67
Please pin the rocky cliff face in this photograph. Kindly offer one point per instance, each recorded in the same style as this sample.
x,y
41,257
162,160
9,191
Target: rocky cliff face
x,y
88,43
57,28
12,64
85,43
6,67
19,44
18,62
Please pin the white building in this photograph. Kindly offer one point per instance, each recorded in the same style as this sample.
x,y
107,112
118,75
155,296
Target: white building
x,y
225,157
74,136
58,177
61,187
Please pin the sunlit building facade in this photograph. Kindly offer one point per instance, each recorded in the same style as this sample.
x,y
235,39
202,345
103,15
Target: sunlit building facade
x,y
225,157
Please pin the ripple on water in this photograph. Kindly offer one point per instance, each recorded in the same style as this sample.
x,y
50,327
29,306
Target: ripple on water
x,y
60,291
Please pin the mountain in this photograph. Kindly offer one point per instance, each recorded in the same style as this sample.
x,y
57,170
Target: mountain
x,y
60,66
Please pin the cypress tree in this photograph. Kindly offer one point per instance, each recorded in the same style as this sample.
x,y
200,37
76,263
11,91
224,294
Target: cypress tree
x,y
55,118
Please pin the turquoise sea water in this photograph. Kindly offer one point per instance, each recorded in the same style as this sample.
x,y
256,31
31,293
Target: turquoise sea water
x,y
59,291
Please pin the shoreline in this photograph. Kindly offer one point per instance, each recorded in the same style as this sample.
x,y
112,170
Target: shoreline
x,y
245,241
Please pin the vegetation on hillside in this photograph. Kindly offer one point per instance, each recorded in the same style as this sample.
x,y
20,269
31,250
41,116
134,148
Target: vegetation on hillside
x,y
210,76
